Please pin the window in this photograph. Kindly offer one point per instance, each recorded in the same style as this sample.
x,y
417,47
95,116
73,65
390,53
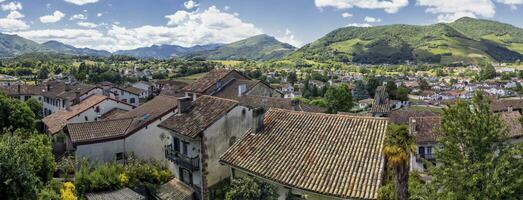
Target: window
x,y
185,146
132,100
421,151
86,119
176,144
119,156
429,150
97,109
186,176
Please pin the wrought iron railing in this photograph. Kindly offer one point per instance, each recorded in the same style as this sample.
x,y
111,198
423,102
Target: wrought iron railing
x,y
192,164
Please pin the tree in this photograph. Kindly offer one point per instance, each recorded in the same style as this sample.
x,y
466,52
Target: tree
x,y
15,114
27,164
339,99
402,94
359,92
36,107
423,84
249,188
391,89
292,78
477,160
487,72
372,84
398,146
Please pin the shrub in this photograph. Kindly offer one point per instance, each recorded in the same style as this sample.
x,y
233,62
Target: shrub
x,y
67,192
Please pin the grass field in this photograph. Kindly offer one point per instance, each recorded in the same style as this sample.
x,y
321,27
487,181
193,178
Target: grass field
x,y
191,78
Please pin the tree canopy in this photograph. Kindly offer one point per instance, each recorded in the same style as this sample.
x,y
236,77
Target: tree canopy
x,y
339,99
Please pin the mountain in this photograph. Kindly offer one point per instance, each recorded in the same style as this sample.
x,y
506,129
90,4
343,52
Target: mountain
x,y
465,40
58,47
166,51
12,45
259,47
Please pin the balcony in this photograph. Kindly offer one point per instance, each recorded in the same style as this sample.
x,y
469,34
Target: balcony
x,y
192,164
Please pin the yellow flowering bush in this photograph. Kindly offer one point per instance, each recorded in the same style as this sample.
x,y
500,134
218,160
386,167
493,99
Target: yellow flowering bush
x,y
67,192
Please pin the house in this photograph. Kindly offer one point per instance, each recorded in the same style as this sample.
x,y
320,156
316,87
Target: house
x,y
380,105
170,87
252,101
90,109
145,86
403,116
198,134
129,94
312,160
134,132
228,84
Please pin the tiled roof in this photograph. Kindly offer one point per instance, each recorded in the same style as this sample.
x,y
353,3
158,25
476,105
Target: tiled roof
x,y
114,113
503,105
58,89
203,83
274,102
230,91
25,89
175,190
425,129
511,120
334,155
131,89
173,88
204,112
402,116
123,124
58,120
121,194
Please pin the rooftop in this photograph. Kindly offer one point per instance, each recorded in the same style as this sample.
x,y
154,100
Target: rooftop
x,y
334,155
205,82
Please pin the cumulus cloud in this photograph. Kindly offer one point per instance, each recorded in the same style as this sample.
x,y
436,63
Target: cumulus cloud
x,y
191,4
8,24
81,2
360,25
289,38
449,11
346,15
512,3
87,24
371,19
12,6
55,17
15,15
390,6
99,14
184,28
78,17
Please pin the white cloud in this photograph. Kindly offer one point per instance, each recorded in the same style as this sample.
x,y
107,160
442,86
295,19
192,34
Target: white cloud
x,y
99,14
87,24
191,4
226,8
346,15
449,11
12,6
371,19
289,38
360,25
15,15
78,17
512,3
184,28
81,2
55,17
8,24
390,6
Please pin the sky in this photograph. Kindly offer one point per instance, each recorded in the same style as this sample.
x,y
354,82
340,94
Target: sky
x,y
127,24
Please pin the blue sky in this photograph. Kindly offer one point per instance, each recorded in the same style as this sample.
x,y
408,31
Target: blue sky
x,y
126,24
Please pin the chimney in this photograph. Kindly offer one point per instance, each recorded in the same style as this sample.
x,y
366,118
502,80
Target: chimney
x,y
257,120
510,108
68,105
67,87
18,88
242,88
295,105
184,104
77,97
413,127
48,87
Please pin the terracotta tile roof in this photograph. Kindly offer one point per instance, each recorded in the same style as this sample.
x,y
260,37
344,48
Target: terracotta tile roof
x,y
175,190
204,112
58,120
25,89
114,113
121,194
173,88
503,105
425,129
230,91
511,120
402,116
203,83
133,90
334,155
274,102
123,124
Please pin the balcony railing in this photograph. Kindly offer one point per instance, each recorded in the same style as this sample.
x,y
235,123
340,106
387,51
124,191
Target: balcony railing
x,y
192,164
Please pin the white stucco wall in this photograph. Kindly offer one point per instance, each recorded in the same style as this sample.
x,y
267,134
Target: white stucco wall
x,y
126,96
105,106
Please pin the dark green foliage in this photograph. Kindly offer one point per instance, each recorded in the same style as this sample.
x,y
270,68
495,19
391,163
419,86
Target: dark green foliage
x,y
423,84
338,99
15,114
487,72
372,84
292,78
36,107
359,92
27,164
477,160
402,94
249,188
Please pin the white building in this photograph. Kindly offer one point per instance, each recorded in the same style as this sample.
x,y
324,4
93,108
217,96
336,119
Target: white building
x,y
129,95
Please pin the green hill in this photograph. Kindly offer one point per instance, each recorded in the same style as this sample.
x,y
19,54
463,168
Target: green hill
x,y
12,45
465,40
260,47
